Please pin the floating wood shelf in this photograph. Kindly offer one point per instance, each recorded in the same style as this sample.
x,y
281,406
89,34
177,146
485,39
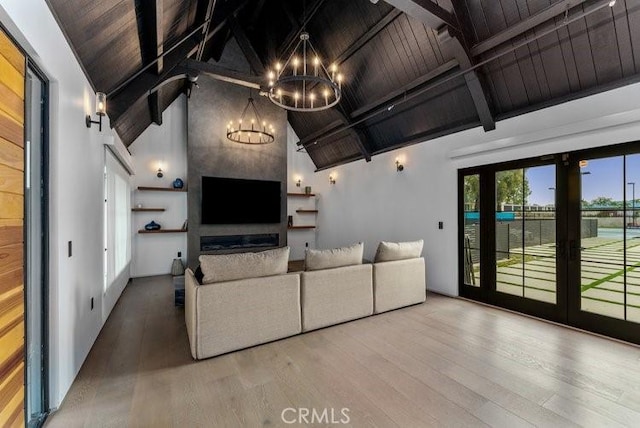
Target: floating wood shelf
x,y
300,227
302,195
147,209
307,211
162,231
161,189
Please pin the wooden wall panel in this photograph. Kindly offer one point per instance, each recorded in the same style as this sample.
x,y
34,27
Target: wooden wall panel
x,y
11,180
12,333
11,155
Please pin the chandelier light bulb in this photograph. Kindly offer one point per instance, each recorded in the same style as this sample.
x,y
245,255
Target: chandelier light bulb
x,y
271,75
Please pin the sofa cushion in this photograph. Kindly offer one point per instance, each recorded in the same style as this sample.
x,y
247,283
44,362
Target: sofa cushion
x,y
334,257
229,267
390,251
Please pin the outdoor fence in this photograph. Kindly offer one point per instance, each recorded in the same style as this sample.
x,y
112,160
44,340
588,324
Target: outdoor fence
x,y
519,234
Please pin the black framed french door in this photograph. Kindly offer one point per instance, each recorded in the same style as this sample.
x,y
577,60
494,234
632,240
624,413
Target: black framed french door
x,y
556,237
510,227
604,241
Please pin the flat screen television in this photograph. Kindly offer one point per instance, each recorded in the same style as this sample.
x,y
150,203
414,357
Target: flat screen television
x,y
239,201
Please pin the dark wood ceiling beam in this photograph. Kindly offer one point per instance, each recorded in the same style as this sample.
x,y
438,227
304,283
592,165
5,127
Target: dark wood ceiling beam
x,y
406,89
218,28
522,27
157,35
370,34
311,138
361,136
245,46
427,12
211,5
298,26
257,10
225,75
479,94
143,84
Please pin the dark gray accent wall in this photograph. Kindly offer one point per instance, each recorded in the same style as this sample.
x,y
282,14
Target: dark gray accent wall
x,y
209,153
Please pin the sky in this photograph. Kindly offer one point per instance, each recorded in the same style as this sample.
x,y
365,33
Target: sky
x,y
606,178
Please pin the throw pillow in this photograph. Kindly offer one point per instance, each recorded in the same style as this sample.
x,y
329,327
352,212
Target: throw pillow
x,y
229,267
199,275
390,251
333,258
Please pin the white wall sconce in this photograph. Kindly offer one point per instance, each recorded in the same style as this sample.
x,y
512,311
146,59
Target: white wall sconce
x,y
101,110
332,179
399,165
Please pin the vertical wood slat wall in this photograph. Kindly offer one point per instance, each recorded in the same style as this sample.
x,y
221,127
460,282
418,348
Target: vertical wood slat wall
x,y
12,321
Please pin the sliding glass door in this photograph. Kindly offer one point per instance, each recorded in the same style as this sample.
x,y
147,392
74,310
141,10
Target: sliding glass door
x,y
556,237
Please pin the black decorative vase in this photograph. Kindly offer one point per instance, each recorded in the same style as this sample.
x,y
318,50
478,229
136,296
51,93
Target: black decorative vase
x,y
152,226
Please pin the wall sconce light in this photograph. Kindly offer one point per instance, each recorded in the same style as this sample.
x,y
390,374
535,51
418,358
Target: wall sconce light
x,y
332,180
399,166
101,110
298,181
160,174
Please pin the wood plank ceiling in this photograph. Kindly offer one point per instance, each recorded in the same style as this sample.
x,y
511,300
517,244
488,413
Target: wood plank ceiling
x,y
415,69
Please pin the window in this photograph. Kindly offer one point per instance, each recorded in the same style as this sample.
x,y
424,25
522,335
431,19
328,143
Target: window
x,y
117,207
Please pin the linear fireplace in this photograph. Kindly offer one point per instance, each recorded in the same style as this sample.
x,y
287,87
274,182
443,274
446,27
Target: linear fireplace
x,y
234,242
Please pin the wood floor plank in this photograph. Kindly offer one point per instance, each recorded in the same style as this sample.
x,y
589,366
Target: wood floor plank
x,y
447,362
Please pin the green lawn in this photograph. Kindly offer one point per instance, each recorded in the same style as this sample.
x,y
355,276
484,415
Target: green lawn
x,y
531,273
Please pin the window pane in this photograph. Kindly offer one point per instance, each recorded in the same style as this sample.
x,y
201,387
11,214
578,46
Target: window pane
x,y
472,230
540,233
632,234
510,232
602,266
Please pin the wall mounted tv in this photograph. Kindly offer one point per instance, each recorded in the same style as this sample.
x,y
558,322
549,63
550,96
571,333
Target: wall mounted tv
x,y
238,201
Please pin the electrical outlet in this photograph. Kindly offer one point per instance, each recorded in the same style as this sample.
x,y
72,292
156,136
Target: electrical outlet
x,y
440,225
179,253
92,303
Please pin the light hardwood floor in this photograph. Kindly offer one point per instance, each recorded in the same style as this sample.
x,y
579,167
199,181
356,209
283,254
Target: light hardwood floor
x,y
447,362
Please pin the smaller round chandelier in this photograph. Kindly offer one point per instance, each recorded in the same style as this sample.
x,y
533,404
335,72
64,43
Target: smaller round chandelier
x,y
303,83
251,129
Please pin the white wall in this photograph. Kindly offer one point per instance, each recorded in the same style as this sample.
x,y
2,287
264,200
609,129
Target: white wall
x,y
372,202
299,165
76,194
166,144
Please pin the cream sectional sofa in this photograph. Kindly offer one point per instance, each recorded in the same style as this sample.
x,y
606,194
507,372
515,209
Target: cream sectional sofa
x,y
248,299
398,276
335,287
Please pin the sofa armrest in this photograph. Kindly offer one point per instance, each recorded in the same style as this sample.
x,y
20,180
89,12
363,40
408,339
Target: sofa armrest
x,y
190,309
398,283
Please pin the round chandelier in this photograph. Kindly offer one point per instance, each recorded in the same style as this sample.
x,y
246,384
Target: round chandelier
x,y
251,129
303,83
